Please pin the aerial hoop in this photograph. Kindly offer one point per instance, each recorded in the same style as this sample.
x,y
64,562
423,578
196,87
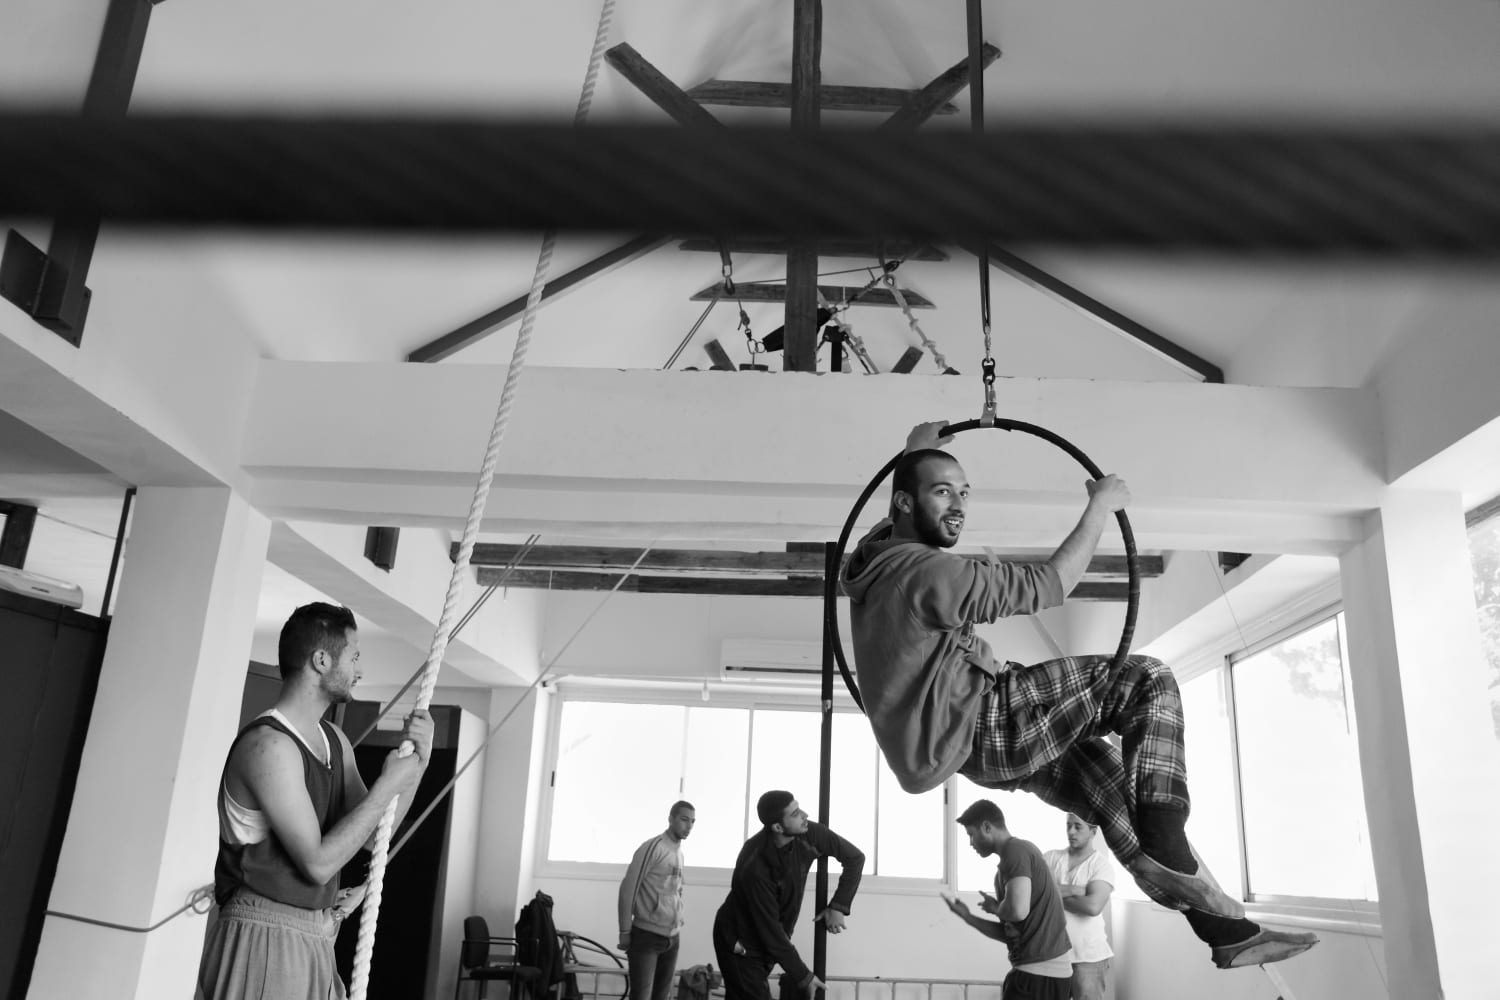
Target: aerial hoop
x,y
830,584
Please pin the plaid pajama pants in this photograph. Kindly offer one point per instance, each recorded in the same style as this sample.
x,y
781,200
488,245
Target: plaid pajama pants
x,y
1041,729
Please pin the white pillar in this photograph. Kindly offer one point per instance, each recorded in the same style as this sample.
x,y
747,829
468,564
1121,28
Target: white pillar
x,y
142,832
508,826
1428,752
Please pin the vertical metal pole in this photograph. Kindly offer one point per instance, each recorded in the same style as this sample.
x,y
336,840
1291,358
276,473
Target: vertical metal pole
x,y
825,763
114,559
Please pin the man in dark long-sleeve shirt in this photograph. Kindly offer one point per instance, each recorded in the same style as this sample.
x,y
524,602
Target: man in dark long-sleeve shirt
x,y
753,929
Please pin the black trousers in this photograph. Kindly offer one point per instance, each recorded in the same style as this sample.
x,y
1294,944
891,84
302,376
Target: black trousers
x,y
745,977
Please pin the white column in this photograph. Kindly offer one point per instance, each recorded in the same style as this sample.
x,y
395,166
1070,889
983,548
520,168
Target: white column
x,y
1428,752
508,825
142,832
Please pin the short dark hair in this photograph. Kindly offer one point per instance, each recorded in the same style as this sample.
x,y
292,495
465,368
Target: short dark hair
x,y
907,477
983,811
310,628
680,805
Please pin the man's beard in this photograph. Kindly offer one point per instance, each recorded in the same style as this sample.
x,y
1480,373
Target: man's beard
x,y
930,530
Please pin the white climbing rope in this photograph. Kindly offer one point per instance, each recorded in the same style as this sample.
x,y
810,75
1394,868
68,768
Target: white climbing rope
x,y
365,947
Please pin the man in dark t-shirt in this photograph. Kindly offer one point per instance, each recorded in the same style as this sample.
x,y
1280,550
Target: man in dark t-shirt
x,y
1027,903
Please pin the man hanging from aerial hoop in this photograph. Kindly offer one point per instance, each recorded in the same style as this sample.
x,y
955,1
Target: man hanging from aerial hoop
x,y
941,703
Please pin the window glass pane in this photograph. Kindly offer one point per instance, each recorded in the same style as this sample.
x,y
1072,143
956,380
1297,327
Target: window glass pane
x,y
618,771
784,752
911,833
1484,550
1303,803
852,779
1026,816
1212,826
718,745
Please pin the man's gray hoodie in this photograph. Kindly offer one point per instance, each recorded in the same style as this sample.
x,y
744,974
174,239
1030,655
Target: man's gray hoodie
x,y
922,670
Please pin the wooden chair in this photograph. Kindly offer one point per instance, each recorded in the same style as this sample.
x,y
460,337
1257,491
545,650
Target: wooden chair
x,y
484,959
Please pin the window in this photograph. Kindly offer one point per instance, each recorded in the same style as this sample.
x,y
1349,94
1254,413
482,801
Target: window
x,y
1301,796
621,765
1484,550
1213,823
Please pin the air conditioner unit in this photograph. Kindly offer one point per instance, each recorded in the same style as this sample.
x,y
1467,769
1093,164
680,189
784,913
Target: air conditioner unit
x,y
773,660
44,588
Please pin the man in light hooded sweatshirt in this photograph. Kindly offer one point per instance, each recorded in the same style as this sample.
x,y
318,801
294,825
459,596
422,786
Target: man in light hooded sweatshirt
x,y
940,702
650,907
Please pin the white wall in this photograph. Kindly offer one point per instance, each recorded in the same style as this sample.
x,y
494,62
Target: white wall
x,y
1157,958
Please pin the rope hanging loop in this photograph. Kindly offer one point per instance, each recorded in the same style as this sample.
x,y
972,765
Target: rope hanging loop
x,y
1127,536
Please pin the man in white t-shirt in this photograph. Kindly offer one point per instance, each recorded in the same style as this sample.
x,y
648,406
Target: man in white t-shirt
x,y
1085,877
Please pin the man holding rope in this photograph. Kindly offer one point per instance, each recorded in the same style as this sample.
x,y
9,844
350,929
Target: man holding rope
x,y
293,812
939,701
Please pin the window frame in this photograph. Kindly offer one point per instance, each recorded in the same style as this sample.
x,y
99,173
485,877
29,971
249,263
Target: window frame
x,y
1358,916
676,694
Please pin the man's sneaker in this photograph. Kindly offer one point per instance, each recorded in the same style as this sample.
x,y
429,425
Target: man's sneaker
x,y
1189,890
1266,947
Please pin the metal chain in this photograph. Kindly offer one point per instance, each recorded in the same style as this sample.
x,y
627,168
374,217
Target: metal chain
x,y
911,321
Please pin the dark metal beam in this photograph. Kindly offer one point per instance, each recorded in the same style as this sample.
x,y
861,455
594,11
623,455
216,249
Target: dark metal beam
x,y
794,561
1111,319
902,250
931,99
833,293
654,84
1427,191
15,538
55,288
497,319
757,94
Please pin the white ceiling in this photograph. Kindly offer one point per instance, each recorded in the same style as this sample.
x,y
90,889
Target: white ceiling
x,y
379,298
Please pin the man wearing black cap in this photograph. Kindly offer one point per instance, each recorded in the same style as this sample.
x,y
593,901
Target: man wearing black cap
x,y
753,929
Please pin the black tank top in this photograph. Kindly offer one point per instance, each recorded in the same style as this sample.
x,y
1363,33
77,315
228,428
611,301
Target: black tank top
x,y
265,868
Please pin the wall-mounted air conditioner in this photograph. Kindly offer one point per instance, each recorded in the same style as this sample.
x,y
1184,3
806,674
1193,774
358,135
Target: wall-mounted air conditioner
x,y
44,588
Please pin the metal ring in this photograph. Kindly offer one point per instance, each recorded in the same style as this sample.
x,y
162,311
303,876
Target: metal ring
x,y
830,583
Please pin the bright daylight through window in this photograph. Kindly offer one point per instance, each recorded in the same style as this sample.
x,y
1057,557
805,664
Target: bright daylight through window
x,y
630,762
1484,550
1301,794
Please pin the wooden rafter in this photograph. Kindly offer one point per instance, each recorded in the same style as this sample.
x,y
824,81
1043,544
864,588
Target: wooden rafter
x,y
833,293
800,348
796,561
715,586
653,83
1111,319
766,94
931,99
497,319
863,249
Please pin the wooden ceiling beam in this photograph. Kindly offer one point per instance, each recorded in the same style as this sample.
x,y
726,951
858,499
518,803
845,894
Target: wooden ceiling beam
x,y
800,348
654,84
497,319
759,94
565,580
931,99
863,249
1169,351
615,559
833,293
